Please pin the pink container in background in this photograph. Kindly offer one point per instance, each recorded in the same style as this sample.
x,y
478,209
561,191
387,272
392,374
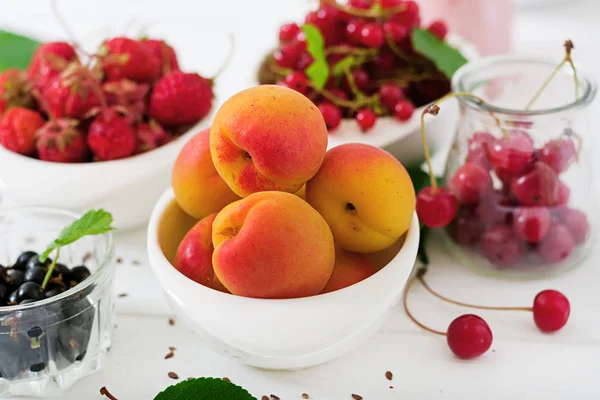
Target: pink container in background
x,y
486,23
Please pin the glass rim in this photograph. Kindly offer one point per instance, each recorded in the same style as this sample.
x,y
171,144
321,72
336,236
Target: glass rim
x,y
586,82
92,279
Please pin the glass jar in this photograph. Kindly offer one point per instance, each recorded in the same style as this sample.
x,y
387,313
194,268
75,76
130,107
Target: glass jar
x,y
523,178
46,346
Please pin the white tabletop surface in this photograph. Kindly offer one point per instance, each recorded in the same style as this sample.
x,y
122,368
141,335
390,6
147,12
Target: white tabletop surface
x,y
523,364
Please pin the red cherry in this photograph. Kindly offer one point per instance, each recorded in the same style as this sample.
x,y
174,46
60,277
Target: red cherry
x,y
390,94
551,310
469,336
558,154
531,224
353,31
438,29
404,110
287,32
537,187
372,35
298,81
331,114
512,154
557,245
563,194
494,208
396,31
366,119
467,228
501,246
478,149
287,55
409,17
470,183
438,209
576,223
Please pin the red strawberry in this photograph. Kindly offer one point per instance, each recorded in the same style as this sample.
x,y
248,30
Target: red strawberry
x,y
180,99
110,136
164,53
61,141
15,89
129,95
150,136
17,130
72,93
48,61
127,58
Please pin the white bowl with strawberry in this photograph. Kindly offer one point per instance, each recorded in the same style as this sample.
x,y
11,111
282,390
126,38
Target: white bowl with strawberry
x,y
82,130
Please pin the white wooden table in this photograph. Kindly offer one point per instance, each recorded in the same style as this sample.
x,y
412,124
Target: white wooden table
x,y
523,364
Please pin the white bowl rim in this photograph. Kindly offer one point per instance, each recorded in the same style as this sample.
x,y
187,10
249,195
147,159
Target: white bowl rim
x,y
412,239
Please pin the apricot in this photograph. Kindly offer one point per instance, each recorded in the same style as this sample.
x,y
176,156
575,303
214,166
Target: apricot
x,y
349,268
365,195
199,189
267,138
194,255
272,245
302,192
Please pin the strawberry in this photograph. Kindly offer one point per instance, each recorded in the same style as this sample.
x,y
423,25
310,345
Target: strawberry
x,y
17,130
127,94
164,53
72,93
110,136
127,58
61,141
150,136
48,61
15,90
180,98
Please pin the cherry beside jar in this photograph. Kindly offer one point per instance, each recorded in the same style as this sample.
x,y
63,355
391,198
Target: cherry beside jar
x,y
520,167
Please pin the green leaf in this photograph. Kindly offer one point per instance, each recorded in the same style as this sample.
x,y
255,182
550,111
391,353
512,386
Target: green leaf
x,y
94,222
204,389
340,68
318,71
445,57
15,50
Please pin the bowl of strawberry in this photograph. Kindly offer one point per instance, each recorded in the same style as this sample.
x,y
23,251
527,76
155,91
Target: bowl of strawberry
x,y
370,67
56,301
98,130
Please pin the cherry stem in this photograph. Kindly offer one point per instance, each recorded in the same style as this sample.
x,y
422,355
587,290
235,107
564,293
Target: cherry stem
x,y
104,391
459,303
409,314
370,13
566,60
227,60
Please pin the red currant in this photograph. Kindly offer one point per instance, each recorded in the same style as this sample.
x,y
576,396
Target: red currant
x,y
328,15
404,110
372,35
576,223
353,30
339,93
396,31
360,4
390,94
331,114
287,55
558,154
512,154
288,32
366,119
438,29
438,209
361,79
551,310
501,246
297,80
311,18
384,61
467,228
387,4
557,245
537,187
469,336
470,183
531,224
304,62
409,17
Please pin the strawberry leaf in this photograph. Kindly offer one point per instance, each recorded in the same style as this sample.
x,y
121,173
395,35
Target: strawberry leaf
x,y
15,50
204,389
445,57
318,71
340,68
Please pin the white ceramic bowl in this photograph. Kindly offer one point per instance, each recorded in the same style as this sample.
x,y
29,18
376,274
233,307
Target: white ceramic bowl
x,y
128,187
275,334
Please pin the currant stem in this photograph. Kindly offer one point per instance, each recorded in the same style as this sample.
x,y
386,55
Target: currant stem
x,y
409,314
459,303
51,268
370,13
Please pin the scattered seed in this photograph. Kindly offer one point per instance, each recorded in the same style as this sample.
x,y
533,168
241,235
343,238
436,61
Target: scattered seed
x,y
226,379
173,375
391,387
86,257
119,260
273,397
123,295
169,355
264,398
305,396
389,375
104,391
357,396
135,262
172,348
171,321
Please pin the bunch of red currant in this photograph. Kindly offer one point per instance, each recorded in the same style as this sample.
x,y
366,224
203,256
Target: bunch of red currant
x,y
386,77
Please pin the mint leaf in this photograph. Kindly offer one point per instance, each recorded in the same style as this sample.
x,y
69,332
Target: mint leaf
x,y
445,57
318,71
94,222
15,50
340,68
204,389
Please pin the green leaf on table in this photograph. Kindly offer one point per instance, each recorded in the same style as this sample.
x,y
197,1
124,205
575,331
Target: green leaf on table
x,y
345,64
94,222
318,71
445,57
15,50
204,389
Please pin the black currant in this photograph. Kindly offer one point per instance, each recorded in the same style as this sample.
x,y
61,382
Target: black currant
x,y
30,290
23,258
35,274
79,274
